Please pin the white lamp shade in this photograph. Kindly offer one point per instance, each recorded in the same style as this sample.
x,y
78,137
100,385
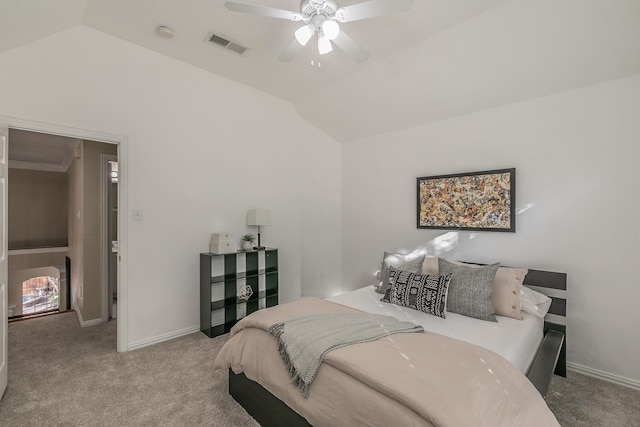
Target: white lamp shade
x,y
258,217
330,29
304,34
324,45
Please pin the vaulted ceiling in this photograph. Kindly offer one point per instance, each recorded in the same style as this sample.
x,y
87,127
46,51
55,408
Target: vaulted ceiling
x,y
441,59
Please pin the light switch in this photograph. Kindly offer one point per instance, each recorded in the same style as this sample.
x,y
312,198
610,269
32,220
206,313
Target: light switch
x,y
137,214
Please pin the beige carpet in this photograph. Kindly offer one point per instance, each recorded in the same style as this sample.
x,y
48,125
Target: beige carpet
x,y
579,400
64,375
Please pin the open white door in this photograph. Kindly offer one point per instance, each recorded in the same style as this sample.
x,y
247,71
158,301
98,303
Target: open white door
x,y
4,166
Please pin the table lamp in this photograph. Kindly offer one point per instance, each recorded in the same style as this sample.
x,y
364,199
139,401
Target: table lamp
x,y
258,217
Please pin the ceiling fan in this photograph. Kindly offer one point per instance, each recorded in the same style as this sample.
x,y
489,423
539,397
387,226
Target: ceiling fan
x,y
322,19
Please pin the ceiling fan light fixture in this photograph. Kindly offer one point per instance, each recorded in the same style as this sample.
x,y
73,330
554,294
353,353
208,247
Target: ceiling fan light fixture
x,y
324,45
330,29
304,34
321,19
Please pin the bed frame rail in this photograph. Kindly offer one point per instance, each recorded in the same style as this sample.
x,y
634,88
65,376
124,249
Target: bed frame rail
x,y
553,285
263,406
541,370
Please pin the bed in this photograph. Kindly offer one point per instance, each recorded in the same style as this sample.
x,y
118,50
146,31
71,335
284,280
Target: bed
x,y
259,381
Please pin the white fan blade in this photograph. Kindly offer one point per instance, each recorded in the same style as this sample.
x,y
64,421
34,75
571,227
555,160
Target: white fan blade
x,y
371,9
291,51
271,12
350,47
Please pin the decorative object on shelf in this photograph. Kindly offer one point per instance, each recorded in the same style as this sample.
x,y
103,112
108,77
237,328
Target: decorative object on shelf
x,y
246,242
245,293
258,217
222,243
476,201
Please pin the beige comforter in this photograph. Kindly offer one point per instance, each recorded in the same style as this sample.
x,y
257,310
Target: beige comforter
x,y
403,380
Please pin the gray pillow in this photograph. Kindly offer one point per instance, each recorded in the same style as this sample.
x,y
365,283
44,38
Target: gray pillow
x,y
470,290
401,262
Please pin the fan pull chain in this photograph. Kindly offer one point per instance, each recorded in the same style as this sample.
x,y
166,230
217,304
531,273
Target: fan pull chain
x,y
315,53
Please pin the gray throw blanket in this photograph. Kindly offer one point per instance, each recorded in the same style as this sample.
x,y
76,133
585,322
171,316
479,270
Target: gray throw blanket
x,y
303,342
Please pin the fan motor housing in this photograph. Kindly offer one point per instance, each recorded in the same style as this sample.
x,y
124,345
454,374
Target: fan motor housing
x,y
318,7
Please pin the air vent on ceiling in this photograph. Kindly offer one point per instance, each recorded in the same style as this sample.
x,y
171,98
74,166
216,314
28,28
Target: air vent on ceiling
x,y
226,44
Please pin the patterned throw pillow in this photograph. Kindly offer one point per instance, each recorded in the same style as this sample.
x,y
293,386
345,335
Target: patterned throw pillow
x,y
401,262
471,289
421,292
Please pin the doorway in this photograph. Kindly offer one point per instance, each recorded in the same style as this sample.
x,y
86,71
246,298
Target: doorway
x,y
120,224
56,192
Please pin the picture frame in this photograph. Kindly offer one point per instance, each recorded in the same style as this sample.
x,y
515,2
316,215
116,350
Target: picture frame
x,y
474,201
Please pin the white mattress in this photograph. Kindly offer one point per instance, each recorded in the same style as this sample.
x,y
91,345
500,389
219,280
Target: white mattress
x,y
515,340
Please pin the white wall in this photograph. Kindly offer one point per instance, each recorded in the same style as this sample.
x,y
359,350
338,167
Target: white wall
x,y
576,158
201,151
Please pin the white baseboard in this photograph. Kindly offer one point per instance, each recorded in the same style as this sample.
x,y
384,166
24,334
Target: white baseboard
x,y
86,323
160,338
606,376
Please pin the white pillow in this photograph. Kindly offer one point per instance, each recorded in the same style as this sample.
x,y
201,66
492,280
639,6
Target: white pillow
x,y
534,302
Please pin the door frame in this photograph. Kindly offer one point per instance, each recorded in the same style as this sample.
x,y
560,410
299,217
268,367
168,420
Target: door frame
x,y
4,258
105,239
122,142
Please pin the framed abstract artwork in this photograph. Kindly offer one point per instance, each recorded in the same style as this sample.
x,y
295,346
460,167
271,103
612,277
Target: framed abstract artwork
x,y
475,201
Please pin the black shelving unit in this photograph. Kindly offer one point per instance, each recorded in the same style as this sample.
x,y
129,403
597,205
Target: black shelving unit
x,y
223,276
